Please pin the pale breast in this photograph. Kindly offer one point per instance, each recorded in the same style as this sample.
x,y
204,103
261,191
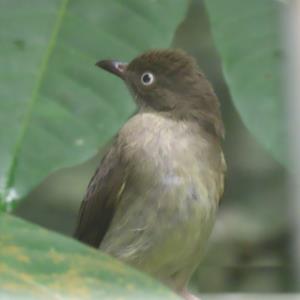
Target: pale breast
x,y
169,200
173,150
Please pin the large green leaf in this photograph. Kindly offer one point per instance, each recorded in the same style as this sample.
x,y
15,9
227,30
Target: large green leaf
x,y
247,35
38,264
56,107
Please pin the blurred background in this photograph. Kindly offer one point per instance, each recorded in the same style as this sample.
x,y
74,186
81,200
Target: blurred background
x,y
250,247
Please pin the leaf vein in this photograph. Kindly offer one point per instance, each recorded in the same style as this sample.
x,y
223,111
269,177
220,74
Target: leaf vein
x,y
34,97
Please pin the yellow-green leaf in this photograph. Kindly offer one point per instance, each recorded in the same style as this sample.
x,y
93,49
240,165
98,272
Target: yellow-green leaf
x,y
38,264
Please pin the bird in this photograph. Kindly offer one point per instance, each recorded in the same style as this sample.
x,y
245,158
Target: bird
x,y
152,201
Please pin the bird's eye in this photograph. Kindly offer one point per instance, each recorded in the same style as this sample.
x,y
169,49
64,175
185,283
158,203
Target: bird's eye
x,y
147,78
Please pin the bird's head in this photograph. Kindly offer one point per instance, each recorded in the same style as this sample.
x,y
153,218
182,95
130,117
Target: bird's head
x,y
170,81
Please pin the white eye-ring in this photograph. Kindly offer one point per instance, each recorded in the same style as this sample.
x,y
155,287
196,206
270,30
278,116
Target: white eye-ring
x,y
147,78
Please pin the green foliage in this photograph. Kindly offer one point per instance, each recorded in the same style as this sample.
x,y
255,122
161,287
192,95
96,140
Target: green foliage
x,y
247,36
56,107
38,264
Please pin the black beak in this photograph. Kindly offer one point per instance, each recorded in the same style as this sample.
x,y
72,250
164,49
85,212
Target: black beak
x,y
113,66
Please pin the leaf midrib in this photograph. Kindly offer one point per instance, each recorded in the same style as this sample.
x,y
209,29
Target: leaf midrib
x,y
34,96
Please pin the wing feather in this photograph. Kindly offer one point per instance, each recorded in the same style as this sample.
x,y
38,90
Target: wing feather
x,y
98,206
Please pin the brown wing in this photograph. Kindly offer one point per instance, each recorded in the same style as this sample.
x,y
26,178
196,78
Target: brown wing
x,y
211,115
98,206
